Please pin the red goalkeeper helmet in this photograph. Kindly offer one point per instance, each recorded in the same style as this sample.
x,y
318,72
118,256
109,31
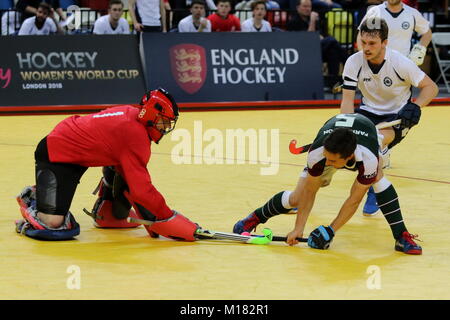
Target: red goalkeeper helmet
x,y
159,113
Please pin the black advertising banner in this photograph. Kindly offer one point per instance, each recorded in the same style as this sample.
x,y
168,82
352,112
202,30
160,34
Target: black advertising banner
x,y
215,67
70,70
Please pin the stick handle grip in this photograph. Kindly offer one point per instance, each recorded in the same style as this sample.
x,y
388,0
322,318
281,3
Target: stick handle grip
x,y
278,238
141,221
383,125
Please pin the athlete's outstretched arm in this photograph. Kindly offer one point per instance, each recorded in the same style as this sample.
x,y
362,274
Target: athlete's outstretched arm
x,y
348,101
303,198
428,91
425,39
350,205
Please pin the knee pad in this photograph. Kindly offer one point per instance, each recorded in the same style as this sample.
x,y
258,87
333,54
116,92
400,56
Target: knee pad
x,y
46,191
32,227
111,209
26,228
104,217
177,227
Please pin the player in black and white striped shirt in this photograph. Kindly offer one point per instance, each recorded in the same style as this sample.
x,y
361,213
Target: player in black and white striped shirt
x,y
385,78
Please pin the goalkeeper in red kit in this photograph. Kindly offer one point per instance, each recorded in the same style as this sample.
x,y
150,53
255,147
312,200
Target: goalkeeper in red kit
x,y
119,140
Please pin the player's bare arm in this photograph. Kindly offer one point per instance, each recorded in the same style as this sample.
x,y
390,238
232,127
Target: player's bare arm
x,y
350,205
348,101
428,91
425,39
162,10
132,5
303,198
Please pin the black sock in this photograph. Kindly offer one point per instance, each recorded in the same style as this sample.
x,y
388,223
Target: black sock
x,y
272,208
390,207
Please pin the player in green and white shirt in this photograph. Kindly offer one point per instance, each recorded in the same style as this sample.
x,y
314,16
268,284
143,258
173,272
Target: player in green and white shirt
x,y
347,141
385,78
365,155
403,21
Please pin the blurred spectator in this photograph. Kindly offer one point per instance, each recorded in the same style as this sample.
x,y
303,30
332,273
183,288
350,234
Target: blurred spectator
x,y
180,9
222,20
196,22
257,23
10,23
319,5
247,5
41,24
325,5
97,5
150,16
67,3
28,8
412,3
373,2
353,4
167,5
332,53
112,23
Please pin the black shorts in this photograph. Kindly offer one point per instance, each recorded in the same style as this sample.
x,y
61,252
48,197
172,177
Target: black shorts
x,y
400,134
55,182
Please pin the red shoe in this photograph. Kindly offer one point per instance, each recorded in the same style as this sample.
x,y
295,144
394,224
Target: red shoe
x,y
407,245
247,224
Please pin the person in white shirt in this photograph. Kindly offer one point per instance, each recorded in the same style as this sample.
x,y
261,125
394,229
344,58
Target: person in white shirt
x,y
41,24
10,23
152,14
384,77
112,23
403,21
196,22
257,23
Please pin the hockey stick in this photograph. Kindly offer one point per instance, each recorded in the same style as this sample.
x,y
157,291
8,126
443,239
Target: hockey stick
x,y
299,150
202,234
278,238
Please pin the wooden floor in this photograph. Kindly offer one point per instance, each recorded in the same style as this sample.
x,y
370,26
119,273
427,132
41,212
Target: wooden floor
x,y
127,264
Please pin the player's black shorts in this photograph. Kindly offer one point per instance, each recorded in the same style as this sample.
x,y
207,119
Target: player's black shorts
x,y
376,119
55,182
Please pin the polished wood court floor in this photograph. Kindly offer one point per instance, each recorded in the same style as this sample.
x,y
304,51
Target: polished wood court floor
x,y
128,264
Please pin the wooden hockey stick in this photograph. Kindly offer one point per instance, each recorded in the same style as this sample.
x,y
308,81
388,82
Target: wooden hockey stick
x,y
299,150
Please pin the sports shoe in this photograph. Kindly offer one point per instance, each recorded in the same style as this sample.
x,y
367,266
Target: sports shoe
x,y
407,245
370,207
247,224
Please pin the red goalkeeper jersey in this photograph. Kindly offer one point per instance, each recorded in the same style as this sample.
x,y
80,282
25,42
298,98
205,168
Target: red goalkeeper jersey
x,y
112,137
219,24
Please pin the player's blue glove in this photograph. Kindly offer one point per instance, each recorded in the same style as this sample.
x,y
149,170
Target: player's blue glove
x,y
321,237
410,115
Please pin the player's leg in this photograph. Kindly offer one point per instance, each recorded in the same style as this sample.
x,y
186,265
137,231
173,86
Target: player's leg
x,y
45,207
281,203
388,202
370,207
111,207
278,204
